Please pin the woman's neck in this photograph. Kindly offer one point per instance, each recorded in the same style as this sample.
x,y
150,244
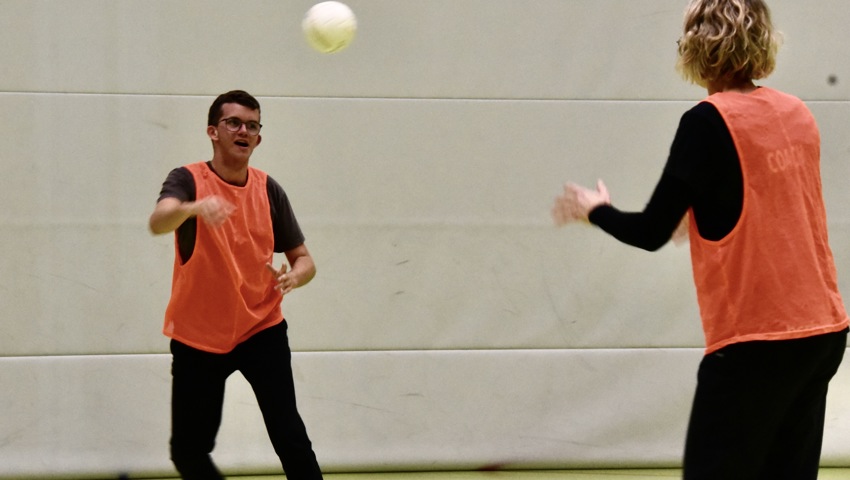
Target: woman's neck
x,y
740,86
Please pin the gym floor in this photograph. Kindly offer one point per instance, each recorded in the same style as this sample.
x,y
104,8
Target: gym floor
x,y
825,474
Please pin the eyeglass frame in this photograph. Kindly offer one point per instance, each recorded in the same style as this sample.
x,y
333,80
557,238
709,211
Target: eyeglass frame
x,y
241,123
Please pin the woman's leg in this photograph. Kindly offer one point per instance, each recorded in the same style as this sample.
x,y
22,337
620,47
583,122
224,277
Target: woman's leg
x,y
746,399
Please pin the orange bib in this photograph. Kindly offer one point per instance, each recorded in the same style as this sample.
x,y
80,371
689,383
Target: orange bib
x,y
224,294
773,277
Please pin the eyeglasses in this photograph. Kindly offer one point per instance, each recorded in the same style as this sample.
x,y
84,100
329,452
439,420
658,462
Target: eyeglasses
x,y
233,124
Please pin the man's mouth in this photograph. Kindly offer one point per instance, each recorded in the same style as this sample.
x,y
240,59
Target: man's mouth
x,y
242,143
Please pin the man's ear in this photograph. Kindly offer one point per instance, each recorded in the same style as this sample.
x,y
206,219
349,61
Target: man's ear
x,y
259,139
212,132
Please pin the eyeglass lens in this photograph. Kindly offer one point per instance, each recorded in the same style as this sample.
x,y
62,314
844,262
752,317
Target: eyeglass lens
x,y
234,124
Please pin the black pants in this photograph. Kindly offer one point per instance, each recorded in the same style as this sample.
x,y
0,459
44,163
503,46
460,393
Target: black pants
x,y
759,408
198,380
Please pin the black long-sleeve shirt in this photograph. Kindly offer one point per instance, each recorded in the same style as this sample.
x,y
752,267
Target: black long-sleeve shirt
x,y
703,172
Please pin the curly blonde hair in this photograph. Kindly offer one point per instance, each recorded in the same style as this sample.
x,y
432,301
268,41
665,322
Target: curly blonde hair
x,y
727,40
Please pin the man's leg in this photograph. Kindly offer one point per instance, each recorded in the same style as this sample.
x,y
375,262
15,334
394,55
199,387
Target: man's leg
x,y
264,360
197,397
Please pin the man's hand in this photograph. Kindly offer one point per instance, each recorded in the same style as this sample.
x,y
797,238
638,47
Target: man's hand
x,y
284,282
170,213
214,210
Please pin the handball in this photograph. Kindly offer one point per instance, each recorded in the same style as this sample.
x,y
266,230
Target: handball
x,y
329,26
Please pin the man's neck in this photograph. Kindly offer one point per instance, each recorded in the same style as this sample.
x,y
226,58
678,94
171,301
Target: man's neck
x,y
232,174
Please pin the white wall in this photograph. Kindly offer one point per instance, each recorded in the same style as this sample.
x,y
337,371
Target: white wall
x,y
450,325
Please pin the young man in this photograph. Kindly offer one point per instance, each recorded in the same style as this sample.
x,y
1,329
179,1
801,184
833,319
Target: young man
x,y
224,313
745,169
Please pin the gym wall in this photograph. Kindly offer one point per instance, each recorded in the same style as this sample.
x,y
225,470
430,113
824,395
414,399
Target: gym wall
x,y
451,325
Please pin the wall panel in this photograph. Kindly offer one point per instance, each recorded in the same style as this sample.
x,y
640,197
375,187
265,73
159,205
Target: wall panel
x,y
374,411
600,49
420,233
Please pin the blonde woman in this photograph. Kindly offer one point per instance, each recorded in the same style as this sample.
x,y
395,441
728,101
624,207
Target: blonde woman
x,y
744,172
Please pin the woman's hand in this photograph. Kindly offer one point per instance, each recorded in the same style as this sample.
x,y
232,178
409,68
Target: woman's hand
x,y
576,202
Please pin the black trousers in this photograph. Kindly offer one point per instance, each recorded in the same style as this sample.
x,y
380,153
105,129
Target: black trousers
x,y
198,380
758,411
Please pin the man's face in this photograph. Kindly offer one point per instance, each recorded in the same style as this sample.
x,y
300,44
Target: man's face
x,y
235,145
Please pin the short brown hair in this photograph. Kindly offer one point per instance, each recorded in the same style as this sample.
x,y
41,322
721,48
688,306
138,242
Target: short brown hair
x,y
731,40
240,97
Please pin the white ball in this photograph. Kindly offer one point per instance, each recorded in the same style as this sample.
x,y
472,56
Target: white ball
x,y
329,26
